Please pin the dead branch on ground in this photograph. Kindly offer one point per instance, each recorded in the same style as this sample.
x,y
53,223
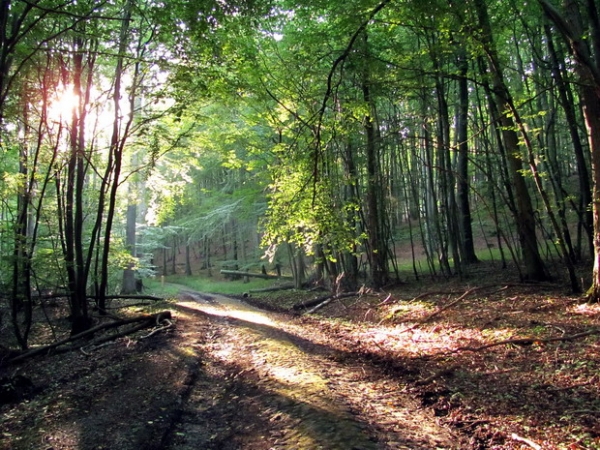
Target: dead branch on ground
x,y
130,297
530,341
529,442
144,321
326,298
283,287
450,305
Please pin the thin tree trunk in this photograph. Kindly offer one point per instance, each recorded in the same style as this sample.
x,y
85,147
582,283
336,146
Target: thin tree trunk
x,y
525,219
377,251
117,143
566,100
129,286
463,185
584,50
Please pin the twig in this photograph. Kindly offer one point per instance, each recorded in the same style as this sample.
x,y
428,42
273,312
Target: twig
x,y
319,300
127,306
530,341
439,373
168,325
529,442
387,299
95,347
593,412
448,306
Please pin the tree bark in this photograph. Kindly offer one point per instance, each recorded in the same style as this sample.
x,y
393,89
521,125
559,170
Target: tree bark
x,y
586,217
117,143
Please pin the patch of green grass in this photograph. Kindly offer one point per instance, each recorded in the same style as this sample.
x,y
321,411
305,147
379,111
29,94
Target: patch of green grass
x,y
173,284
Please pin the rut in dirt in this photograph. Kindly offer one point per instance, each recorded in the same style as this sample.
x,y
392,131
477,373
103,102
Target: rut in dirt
x,y
265,381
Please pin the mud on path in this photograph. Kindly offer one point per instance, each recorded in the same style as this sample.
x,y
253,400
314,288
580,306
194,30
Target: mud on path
x,y
227,376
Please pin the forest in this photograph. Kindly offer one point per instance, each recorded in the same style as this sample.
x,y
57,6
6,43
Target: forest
x,y
355,146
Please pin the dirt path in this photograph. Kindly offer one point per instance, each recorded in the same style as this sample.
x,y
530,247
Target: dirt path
x,y
226,376
230,376
266,381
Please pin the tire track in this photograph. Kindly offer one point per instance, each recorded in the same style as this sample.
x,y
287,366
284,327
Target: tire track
x,y
265,383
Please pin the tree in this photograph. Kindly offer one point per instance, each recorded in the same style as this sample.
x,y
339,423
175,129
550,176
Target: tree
x,y
581,30
524,219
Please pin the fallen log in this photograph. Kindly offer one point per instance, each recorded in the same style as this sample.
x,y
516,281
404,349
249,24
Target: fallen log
x,y
130,297
264,276
283,287
144,321
318,300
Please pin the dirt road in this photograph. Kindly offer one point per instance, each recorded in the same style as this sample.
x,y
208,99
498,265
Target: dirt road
x,y
226,376
270,381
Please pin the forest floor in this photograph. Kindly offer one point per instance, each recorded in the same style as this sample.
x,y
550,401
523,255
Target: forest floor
x,y
457,365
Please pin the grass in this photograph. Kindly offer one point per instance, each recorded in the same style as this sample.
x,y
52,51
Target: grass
x,y
172,285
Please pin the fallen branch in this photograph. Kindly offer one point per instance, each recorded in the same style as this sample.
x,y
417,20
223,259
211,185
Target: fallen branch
x,y
130,305
448,306
529,442
145,321
131,297
320,305
283,287
530,341
156,330
240,273
318,300
84,350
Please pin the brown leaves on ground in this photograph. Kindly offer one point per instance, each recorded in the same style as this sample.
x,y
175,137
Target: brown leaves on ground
x,y
497,366
512,369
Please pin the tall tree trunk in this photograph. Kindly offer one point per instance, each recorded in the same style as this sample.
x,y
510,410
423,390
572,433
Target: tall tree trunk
x,y
566,100
376,245
587,67
446,176
73,220
20,297
463,185
117,144
129,286
351,196
534,267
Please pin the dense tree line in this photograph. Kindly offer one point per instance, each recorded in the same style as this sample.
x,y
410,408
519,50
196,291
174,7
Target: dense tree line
x,y
323,132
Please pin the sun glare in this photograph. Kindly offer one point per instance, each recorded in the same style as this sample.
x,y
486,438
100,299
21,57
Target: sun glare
x,y
63,104
99,115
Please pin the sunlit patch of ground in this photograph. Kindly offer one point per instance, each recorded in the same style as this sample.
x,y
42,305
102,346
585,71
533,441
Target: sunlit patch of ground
x,y
545,392
336,402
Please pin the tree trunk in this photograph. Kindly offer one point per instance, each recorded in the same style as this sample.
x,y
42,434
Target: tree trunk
x,y
566,100
584,49
376,244
129,286
120,129
534,267
463,185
